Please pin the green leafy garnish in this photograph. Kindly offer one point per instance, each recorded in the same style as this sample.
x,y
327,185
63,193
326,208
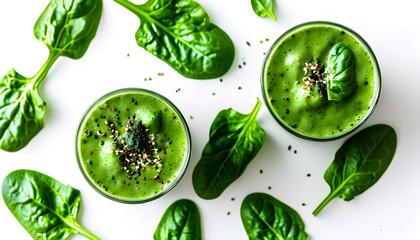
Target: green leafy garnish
x,y
66,28
180,33
341,79
359,163
46,208
180,221
234,141
264,8
266,218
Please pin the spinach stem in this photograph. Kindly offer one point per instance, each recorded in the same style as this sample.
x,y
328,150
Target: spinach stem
x,y
323,204
256,109
127,4
39,76
42,73
83,231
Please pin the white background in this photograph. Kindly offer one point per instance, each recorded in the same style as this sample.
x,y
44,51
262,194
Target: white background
x,y
388,210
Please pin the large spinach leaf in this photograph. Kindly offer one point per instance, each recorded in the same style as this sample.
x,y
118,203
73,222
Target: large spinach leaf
x,y
359,163
66,27
181,221
180,33
264,8
46,208
265,218
234,140
341,70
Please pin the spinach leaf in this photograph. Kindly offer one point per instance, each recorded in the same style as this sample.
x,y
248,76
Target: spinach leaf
x,y
46,208
265,218
66,28
359,163
180,33
21,111
341,80
181,221
234,141
264,8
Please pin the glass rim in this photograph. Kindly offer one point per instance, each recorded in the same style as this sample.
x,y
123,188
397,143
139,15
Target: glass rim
x,y
377,79
187,151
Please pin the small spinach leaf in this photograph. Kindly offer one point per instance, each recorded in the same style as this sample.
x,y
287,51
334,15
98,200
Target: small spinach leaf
x,y
234,141
66,28
180,33
46,208
21,111
180,221
341,80
265,217
359,163
264,8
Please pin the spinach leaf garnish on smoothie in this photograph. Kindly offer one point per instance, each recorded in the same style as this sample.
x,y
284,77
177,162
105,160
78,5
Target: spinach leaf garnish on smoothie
x,y
66,28
341,80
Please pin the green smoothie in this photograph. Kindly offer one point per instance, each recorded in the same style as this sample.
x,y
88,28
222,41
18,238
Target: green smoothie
x,y
300,76
133,145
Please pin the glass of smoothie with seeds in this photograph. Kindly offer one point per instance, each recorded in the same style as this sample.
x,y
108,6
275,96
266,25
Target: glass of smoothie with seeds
x,y
133,145
320,81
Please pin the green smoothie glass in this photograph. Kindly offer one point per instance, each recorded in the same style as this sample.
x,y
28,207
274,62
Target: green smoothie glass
x,y
133,145
320,81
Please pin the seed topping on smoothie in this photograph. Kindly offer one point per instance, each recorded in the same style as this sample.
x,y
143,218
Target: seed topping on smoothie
x,y
315,75
137,148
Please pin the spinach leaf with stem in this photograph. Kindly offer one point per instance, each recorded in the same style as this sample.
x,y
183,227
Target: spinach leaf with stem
x,y
265,217
45,207
66,28
359,163
180,33
264,8
234,140
180,221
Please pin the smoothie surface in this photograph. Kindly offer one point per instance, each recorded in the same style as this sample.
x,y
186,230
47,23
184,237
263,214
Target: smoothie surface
x,y
112,167
283,87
